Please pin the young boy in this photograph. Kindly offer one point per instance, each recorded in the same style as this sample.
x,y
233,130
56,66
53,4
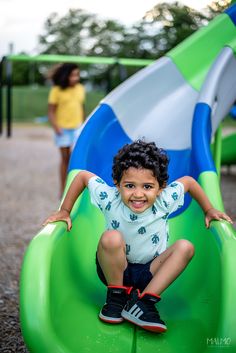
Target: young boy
x,y
133,259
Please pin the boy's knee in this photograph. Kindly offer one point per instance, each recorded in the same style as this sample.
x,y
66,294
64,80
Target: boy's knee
x,y
112,239
186,247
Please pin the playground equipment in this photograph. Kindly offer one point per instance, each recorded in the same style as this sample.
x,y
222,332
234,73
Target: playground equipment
x,y
6,62
178,102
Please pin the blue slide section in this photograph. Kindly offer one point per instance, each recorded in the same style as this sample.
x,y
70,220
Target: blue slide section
x,y
106,137
201,139
99,141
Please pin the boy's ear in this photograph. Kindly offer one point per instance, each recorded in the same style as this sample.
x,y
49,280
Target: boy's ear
x,y
115,182
161,189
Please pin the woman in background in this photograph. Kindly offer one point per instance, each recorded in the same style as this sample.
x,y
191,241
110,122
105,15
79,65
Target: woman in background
x,y
66,112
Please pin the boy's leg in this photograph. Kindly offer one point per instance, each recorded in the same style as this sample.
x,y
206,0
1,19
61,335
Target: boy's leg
x,y
165,268
169,265
112,260
111,257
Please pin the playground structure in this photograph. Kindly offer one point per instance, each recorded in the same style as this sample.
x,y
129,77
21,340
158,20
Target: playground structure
x,y
6,63
178,101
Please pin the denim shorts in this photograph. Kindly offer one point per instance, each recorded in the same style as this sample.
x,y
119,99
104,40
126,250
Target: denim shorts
x,y
135,275
67,138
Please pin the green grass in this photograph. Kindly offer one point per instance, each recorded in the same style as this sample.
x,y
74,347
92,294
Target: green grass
x,y
29,103
229,122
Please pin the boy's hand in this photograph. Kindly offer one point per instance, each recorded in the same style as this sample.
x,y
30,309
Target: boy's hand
x,y
61,215
212,213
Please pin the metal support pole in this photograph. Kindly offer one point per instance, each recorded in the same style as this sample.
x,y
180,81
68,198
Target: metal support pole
x,y
122,72
9,96
108,79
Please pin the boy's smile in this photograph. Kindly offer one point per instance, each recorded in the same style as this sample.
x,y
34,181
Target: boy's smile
x,y
138,189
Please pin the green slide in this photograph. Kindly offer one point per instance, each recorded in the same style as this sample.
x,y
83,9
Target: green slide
x,y
60,293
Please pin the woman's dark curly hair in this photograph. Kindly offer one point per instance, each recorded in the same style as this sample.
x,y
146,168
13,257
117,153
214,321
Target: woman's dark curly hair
x,y
141,155
61,75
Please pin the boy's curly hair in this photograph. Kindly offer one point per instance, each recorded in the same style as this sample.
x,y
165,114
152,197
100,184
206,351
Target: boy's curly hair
x,y
141,155
61,75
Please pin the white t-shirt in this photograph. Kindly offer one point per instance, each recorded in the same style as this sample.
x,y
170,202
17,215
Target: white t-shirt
x,y
146,233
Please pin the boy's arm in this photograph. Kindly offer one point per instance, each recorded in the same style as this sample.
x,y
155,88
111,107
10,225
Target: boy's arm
x,y
196,191
76,188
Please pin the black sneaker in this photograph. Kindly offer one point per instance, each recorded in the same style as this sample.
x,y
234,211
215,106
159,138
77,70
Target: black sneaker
x,y
115,302
141,311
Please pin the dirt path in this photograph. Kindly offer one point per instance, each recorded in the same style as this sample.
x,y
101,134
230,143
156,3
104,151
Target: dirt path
x,y
29,193
28,189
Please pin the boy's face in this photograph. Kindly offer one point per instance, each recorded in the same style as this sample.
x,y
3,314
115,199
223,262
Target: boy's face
x,y
138,189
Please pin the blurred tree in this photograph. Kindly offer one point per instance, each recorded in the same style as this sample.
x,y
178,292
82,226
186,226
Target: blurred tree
x,y
164,26
20,73
177,22
82,33
216,7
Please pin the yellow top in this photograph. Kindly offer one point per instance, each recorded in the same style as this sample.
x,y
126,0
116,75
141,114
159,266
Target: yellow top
x,y
69,102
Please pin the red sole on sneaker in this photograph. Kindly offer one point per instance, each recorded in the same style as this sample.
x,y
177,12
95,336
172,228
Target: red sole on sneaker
x,y
154,329
111,321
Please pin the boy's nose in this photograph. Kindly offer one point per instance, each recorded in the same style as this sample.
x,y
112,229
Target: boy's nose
x,y
138,193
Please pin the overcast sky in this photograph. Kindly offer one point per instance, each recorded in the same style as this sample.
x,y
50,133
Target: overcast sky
x,y
21,21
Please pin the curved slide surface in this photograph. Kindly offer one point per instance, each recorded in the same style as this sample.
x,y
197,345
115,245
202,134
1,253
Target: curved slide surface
x,y
178,102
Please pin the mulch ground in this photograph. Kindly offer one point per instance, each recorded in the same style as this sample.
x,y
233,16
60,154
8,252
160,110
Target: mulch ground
x,y
29,189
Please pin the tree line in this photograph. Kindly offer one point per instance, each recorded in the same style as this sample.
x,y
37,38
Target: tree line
x,y
80,32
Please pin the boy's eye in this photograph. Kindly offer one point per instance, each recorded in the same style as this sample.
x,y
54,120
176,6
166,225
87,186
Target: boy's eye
x,y
129,186
147,187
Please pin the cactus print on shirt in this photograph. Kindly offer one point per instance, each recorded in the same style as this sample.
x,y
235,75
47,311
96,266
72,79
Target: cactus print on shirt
x,y
146,233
